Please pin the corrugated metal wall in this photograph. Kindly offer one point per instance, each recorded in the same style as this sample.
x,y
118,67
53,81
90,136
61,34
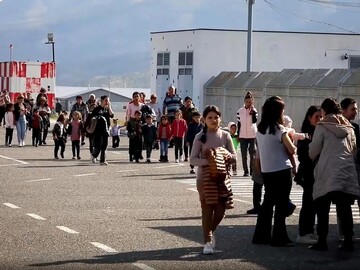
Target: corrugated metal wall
x,y
299,88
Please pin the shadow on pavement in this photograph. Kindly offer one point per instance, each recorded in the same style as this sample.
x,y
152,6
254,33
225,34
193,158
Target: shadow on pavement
x,y
234,250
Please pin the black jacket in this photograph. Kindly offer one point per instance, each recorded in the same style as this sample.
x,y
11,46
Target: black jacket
x,y
149,133
193,129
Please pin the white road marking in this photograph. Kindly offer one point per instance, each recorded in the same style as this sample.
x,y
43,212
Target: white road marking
x,y
143,266
38,180
13,206
66,229
8,165
169,166
35,216
127,171
85,174
103,247
13,159
242,201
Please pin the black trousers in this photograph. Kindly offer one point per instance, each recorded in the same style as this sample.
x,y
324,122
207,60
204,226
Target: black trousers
x,y
115,141
307,212
245,146
75,147
343,203
135,148
190,148
100,146
178,143
277,192
148,148
91,144
257,192
59,144
8,135
44,134
36,136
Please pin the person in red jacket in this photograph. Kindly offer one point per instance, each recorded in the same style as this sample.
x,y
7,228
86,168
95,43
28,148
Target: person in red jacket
x,y
178,131
164,136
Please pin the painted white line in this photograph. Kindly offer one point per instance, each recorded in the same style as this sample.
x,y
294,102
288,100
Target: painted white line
x,y
8,165
85,174
66,229
13,206
143,266
243,201
103,247
127,171
192,189
169,166
13,159
38,180
35,216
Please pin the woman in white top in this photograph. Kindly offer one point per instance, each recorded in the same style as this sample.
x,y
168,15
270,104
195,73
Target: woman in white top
x,y
274,149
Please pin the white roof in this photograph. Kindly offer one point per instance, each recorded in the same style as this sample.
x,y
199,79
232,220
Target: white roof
x,y
64,92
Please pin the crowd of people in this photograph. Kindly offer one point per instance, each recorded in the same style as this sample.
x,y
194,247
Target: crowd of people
x,y
327,147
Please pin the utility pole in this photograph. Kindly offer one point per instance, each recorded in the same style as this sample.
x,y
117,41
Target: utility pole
x,y
249,35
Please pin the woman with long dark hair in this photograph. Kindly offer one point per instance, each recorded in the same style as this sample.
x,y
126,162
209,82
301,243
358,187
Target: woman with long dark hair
x,y
273,152
210,138
334,149
305,178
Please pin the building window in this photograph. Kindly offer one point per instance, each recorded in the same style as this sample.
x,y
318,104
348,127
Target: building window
x,y
185,63
162,71
163,59
354,61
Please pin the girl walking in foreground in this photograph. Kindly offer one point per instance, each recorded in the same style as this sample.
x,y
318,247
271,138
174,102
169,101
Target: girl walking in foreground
x,y
211,139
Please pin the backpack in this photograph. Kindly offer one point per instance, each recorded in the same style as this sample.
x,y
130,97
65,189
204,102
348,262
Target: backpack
x,y
97,125
146,110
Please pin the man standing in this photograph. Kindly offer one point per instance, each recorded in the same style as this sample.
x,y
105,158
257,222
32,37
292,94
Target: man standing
x,y
82,108
171,104
103,113
58,107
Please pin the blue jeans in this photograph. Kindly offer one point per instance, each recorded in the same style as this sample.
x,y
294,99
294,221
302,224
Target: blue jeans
x,y
21,128
164,146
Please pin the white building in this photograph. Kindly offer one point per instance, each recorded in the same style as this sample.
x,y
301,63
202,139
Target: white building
x,y
189,58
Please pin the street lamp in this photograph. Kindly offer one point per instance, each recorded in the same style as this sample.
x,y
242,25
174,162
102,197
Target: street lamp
x,y
51,41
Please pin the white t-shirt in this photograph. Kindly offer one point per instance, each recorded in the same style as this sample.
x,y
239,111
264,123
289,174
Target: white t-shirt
x,y
272,152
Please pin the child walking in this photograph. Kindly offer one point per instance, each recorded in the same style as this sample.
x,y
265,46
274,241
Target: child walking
x,y
149,136
58,136
235,139
75,130
164,136
9,124
195,127
115,133
37,125
178,129
135,138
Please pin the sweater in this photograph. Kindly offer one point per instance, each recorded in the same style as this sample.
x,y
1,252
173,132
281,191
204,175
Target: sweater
x,y
171,104
214,139
9,120
164,129
179,128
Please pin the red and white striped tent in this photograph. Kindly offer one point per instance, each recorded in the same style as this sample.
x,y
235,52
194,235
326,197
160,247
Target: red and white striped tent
x,y
28,77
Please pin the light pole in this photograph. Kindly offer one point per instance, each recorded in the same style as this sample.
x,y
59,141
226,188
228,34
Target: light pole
x,y
51,41
249,35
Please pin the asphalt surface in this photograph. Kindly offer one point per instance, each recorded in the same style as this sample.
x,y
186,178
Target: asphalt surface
x,y
70,214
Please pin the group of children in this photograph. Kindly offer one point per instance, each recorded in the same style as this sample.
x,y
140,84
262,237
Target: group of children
x,y
147,135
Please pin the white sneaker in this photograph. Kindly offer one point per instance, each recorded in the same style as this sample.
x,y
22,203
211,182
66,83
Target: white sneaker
x,y
104,163
177,161
306,239
181,159
93,159
23,143
208,249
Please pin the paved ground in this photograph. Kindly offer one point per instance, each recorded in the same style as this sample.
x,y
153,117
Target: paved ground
x,y
66,214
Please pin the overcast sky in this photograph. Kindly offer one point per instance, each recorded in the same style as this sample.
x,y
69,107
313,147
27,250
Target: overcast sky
x,y
97,31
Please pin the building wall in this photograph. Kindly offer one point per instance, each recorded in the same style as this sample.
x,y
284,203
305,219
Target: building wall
x,y
216,51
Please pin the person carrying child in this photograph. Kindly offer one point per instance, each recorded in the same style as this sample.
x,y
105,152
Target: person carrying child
x,y
164,136
9,124
134,134
75,130
149,136
37,125
194,128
